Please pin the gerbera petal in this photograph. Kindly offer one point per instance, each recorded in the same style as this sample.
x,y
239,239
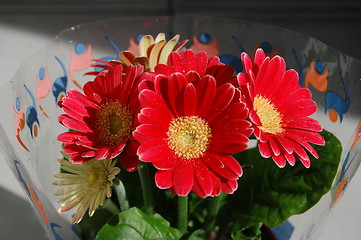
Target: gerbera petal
x,y
217,185
264,149
74,124
229,142
259,57
183,178
203,182
206,91
223,165
280,160
163,69
275,147
164,162
305,123
303,135
302,154
229,186
129,162
189,100
164,179
102,153
302,108
176,63
155,116
290,159
146,132
223,98
154,149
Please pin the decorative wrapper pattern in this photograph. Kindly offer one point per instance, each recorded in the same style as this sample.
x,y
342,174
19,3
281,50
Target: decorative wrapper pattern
x,y
29,110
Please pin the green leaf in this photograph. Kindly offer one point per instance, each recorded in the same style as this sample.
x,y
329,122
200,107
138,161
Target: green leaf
x,y
270,195
134,224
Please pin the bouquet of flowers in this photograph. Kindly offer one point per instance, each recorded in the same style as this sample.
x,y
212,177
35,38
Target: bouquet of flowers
x,y
170,143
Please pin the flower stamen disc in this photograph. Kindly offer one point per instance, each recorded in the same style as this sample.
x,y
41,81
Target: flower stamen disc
x,y
189,137
270,118
114,123
97,177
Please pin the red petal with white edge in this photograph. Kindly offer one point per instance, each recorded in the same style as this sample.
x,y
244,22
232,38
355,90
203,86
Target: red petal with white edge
x,y
206,91
68,137
229,186
81,98
183,178
262,77
275,73
228,142
116,149
247,62
102,153
229,169
259,57
305,162
302,154
77,158
147,132
74,124
156,117
189,101
254,118
264,149
164,179
223,98
276,150
203,185
74,148
290,159
89,154
285,143
153,150
74,106
280,160
129,163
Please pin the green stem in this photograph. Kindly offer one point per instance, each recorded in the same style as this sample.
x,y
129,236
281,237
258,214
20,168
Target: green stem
x,y
122,195
212,212
182,213
146,183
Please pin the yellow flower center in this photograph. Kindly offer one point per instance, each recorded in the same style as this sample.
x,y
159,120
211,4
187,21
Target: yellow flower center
x,y
270,118
189,137
97,176
114,123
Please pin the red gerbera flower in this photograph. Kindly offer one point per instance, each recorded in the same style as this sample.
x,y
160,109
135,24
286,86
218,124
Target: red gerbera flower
x,y
279,110
188,129
104,117
195,66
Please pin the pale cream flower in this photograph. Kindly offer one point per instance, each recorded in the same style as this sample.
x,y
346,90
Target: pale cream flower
x,y
152,51
88,184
